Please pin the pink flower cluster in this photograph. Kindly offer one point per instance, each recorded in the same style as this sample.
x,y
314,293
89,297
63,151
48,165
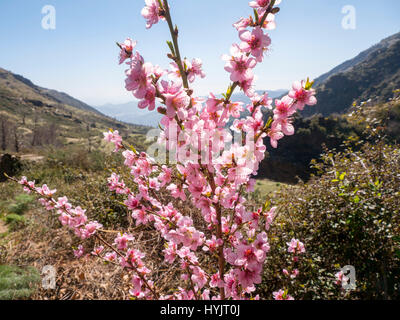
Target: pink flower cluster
x,y
282,295
73,217
254,43
212,187
214,179
152,12
286,107
295,247
114,137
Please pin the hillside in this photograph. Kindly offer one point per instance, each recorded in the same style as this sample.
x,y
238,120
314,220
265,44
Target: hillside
x,y
291,160
32,117
374,73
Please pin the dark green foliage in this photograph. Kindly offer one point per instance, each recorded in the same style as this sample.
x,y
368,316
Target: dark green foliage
x,y
18,283
292,158
8,165
348,216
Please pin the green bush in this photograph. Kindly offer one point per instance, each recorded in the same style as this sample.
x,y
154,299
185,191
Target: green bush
x,y
348,216
18,283
15,221
21,204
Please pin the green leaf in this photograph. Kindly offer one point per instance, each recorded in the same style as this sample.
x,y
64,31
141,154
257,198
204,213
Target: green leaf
x,y
309,84
171,47
256,15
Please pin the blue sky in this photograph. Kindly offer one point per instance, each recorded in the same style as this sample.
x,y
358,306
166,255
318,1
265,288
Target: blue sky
x,y
79,57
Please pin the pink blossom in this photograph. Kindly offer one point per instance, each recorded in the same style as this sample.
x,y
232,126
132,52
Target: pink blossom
x,y
176,192
282,295
115,184
111,257
196,70
176,98
114,137
302,96
259,4
283,108
122,241
269,22
275,134
269,217
263,100
249,276
91,228
62,204
79,252
239,65
45,191
199,277
126,49
49,205
28,185
296,246
165,176
255,42
149,99
192,69
139,81
212,244
151,12
141,216
286,126
134,257
242,24
97,251
137,290
132,202
216,281
170,252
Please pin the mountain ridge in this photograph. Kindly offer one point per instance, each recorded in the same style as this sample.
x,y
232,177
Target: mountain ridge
x,y
58,96
32,117
374,73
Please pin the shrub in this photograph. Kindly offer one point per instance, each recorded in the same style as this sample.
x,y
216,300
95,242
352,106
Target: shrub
x,y
348,216
21,204
18,283
15,221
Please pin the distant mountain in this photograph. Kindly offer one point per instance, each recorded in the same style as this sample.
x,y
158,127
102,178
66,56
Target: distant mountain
x,y
31,116
271,93
129,112
373,74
